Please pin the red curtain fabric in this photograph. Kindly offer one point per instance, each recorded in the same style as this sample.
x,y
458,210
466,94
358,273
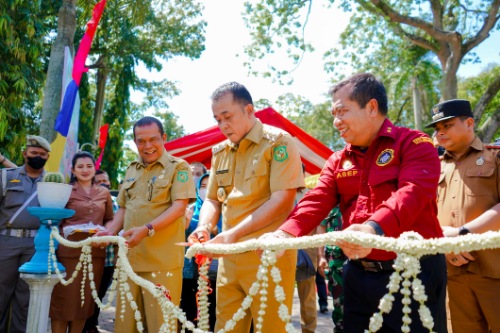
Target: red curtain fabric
x,y
197,147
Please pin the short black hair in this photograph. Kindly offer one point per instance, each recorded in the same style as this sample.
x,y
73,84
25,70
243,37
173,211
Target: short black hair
x,y
365,86
201,165
240,93
101,172
145,121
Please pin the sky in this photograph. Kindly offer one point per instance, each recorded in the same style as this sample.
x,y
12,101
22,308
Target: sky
x,y
226,36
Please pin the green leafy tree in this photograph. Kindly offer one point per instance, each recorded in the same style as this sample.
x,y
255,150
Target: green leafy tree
x,y
316,120
156,34
480,89
448,31
117,116
172,129
24,26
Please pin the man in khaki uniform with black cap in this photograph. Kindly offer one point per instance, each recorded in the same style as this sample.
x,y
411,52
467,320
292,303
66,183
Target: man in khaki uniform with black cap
x,y
468,202
17,231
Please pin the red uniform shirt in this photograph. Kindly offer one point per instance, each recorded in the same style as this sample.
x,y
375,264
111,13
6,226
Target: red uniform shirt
x,y
393,182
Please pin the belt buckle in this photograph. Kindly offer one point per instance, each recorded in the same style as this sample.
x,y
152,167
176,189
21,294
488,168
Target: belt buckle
x,y
370,266
18,232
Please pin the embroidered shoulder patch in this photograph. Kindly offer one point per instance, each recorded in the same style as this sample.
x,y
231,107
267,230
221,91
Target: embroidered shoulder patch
x,y
385,157
182,176
280,153
422,139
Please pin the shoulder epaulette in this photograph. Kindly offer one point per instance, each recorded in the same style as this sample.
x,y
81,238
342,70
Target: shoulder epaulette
x,y
272,133
182,167
218,148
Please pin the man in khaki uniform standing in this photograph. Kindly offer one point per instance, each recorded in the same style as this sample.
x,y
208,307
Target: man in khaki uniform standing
x,y
253,181
152,201
17,231
468,202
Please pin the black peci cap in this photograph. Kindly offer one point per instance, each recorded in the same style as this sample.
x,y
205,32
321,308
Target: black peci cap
x,y
450,109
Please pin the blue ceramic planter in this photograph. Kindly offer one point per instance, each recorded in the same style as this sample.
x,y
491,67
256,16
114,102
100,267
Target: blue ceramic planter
x,y
49,217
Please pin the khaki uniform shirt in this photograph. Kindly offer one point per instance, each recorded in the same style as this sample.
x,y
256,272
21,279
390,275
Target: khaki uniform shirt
x,y
18,188
146,193
467,188
244,176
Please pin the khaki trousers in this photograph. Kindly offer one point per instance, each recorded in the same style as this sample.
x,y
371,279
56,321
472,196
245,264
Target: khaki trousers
x,y
306,290
152,316
474,303
236,275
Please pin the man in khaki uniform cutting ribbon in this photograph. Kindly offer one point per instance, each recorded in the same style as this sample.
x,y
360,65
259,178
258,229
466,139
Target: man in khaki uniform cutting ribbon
x,y
253,181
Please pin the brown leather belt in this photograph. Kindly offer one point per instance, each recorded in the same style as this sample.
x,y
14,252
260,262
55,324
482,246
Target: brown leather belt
x,y
379,266
21,233
373,265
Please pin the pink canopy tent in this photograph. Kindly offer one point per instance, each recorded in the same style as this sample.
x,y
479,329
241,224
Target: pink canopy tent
x,y
197,147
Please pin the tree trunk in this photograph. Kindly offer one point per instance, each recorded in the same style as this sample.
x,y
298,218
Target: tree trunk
x,y
417,103
490,126
66,27
102,75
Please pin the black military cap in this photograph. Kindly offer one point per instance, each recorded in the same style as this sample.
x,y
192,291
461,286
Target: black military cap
x,y
450,109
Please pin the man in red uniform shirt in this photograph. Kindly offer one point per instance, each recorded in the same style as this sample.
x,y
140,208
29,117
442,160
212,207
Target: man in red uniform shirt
x,y
385,182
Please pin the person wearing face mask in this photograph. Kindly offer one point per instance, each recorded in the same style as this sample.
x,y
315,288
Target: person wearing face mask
x,y
198,169
17,231
190,270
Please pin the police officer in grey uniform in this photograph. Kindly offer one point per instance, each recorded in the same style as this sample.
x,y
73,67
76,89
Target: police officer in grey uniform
x,y
17,231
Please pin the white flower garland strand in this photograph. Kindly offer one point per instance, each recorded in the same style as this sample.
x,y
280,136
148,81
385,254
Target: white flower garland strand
x,y
171,313
409,247
203,303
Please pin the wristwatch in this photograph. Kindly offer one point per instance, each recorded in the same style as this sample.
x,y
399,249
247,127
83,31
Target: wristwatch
x,y
151,230
376,227
463,231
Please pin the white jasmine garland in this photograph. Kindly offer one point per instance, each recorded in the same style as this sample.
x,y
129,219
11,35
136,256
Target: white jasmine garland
x,y
409,247
203,303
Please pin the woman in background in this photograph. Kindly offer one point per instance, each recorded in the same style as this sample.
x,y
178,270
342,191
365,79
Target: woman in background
x,y
190,270
92,204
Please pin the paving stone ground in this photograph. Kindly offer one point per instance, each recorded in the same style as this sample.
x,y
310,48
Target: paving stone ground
x,y
325,325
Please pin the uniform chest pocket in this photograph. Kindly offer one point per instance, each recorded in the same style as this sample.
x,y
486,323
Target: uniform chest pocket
x,y
14,195
481,180
257,170
160,190
224,181
384,176
348,181
257,180
130,189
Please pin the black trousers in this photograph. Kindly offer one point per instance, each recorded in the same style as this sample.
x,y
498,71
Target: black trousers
x,y
363,291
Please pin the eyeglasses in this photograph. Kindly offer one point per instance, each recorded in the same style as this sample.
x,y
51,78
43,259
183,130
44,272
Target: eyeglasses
x,y
151,182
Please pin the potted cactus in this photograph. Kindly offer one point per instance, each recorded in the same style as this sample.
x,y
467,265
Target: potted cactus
x,y
53,192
